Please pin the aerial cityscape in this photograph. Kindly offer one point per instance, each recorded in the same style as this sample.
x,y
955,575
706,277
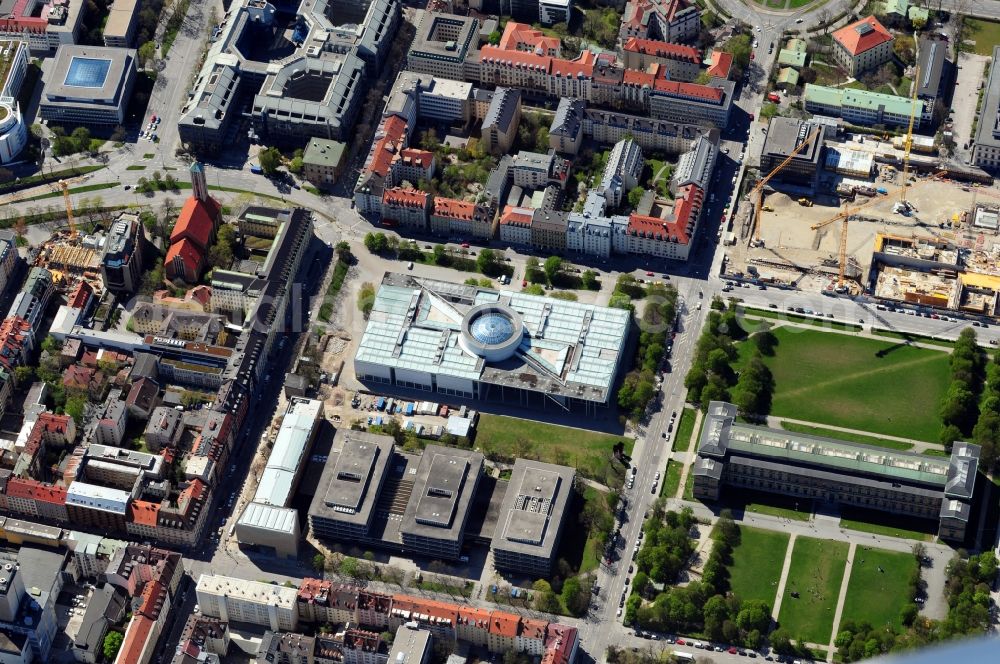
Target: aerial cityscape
x,y
513,331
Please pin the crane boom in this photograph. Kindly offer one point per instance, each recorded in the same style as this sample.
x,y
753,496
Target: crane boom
x,y
757,193
909,136
69,207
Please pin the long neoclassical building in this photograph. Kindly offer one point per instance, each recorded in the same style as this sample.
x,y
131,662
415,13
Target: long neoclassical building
x,y
734,454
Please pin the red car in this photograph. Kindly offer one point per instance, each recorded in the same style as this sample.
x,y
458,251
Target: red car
x,y
680,642
524,283
732,650
649,274
752,55
465,245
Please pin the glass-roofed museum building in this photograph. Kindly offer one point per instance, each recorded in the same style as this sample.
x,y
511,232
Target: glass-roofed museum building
x,y
480,343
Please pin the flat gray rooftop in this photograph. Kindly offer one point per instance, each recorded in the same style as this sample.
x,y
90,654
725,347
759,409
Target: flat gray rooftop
x,y
533,508
347,489
442,493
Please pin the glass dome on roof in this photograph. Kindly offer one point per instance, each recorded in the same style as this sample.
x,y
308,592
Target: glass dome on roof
x,y
492,328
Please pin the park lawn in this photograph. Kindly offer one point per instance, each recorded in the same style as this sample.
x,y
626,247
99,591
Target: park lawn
x,y
757,562
587,451
795,318
937,453
858,383
843,435
671,479
795,4
882,523
826,74
816,572
682,441
892,334
986,34
874,596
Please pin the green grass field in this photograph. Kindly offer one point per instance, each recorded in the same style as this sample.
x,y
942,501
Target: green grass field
x,y
878,596
986,34
918,338
671,479
757,564
682,441
587,451
858,383
803,320
882,523
816,573
843,435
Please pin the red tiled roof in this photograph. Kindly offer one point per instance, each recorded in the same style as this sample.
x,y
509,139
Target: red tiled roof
x,y
689,90
676,228
427,607
80,296
188,252
416,157
143,512
77,376
638,77
582,66
18,487
453,209
516,216
471,615
515,58
405,197
852,39
48,493
136,636
722,62
196,221
662,49
518,35
386,147
504,624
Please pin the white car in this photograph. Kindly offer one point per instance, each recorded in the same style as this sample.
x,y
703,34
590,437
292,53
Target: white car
x,y
758,28
657,477
755,43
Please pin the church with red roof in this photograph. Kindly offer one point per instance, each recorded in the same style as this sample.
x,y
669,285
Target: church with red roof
x,y
194,231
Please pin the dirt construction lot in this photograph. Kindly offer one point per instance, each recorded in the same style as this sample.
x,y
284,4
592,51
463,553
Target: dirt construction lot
x,y
788,238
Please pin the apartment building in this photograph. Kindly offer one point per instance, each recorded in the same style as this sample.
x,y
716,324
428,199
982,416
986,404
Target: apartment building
x,y
681,62
502,119
566,130
460,219
515,225
406,208
862,46
665,20
122,260
240,600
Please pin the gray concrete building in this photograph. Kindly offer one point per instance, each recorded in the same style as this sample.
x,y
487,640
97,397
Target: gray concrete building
x,y
532,517
439,507
443,44
746,456
310,97
986,142
566,130
783,136
315,90
122,260
89,85
344,505
501,121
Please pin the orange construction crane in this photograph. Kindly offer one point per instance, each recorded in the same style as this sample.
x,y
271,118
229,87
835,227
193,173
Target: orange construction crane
x,y
757,193
844,217
69,208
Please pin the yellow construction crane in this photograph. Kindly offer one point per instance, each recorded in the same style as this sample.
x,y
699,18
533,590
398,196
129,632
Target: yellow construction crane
x,y
69,207
909,137
844,217
757,193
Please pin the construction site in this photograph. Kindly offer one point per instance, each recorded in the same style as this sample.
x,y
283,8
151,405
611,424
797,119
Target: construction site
x,y
842,222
